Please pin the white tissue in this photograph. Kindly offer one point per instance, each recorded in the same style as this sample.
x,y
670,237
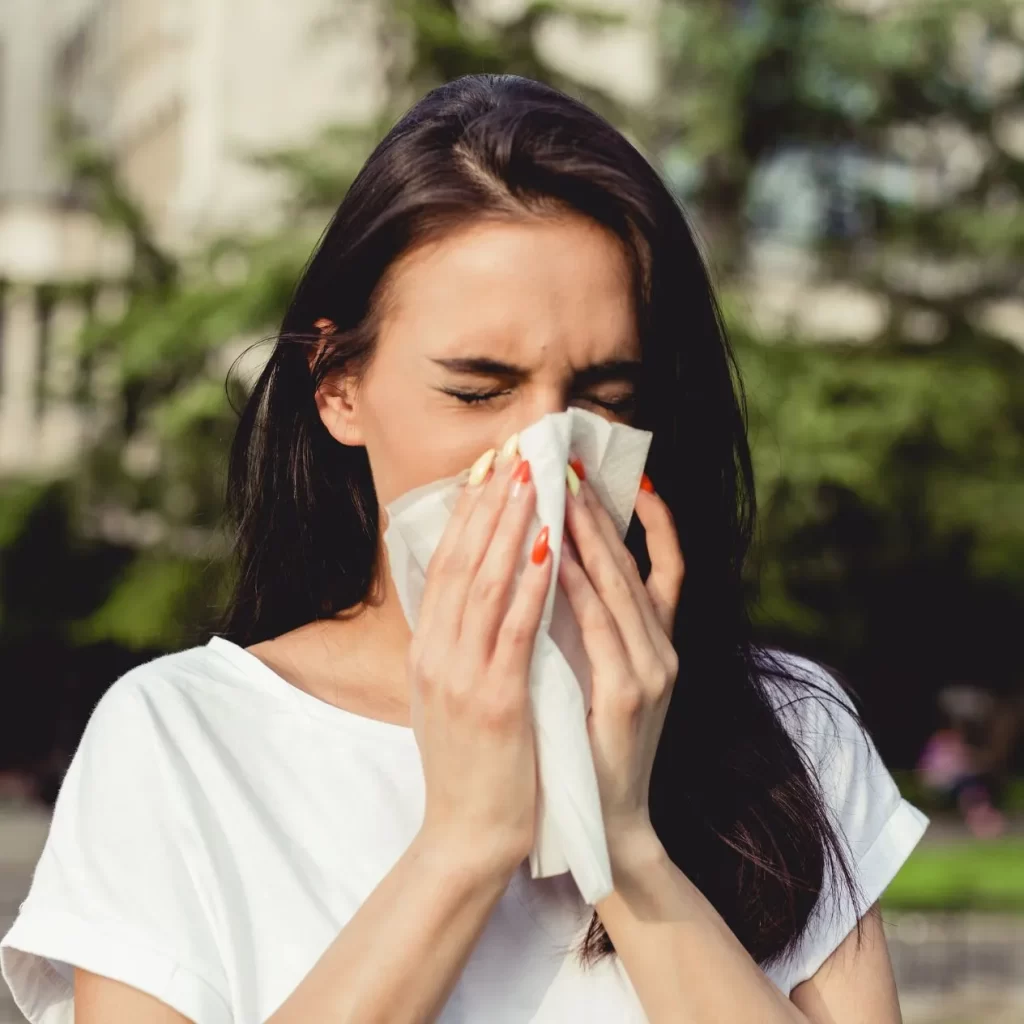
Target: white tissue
x,y
570,828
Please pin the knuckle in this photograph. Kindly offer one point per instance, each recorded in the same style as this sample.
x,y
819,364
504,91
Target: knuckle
x,y
486,589
503,711
456,696
619,587
455,564
426,672
517,635
652,671
627,700
661,681
671,666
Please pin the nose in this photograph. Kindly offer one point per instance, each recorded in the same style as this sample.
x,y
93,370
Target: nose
x,y
540,403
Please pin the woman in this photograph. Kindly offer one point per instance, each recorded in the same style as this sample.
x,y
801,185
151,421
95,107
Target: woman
x,y
322,817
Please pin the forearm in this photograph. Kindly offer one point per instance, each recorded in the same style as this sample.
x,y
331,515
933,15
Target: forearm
x,y
685,963
399,957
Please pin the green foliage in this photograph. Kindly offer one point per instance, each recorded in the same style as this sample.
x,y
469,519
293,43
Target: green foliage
x,y
160,602
744,87
18,498
50,576
890,484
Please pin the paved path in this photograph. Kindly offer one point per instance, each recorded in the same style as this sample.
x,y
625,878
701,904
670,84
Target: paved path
x,y
22,834
950,968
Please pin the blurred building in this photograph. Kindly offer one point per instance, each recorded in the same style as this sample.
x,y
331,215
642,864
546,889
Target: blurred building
x,y
180,92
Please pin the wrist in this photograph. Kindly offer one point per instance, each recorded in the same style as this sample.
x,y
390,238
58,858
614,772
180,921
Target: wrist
x,y
465,860
634,850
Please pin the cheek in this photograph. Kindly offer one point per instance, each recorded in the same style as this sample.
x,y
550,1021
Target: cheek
x,y
410,441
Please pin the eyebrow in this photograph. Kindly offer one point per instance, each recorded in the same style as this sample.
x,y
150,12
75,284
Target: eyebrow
x,y
483,366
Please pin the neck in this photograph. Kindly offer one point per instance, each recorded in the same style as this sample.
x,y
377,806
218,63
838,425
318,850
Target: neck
x,y
371,639
380,618
356,660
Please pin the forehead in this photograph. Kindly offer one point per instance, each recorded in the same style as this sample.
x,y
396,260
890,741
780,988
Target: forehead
x,y
522,287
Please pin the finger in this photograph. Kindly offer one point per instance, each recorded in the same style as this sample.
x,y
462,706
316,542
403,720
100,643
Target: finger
x,y
601,640
468,497
668,567
608,579
456,572
488,595
513,648
624,560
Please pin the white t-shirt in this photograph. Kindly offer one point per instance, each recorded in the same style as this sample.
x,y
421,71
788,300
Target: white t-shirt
x,y
217,828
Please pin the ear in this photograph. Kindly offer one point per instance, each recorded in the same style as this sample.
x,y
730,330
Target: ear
x,y
337,401
337,397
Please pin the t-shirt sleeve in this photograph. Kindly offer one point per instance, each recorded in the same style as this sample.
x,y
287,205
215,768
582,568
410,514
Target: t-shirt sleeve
x,y
116,889
879,826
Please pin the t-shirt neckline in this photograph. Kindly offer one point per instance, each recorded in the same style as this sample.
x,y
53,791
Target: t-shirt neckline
x,y
253,666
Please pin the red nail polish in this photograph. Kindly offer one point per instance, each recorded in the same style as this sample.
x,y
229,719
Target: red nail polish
x,y
522,474
577,465
645,484
540,547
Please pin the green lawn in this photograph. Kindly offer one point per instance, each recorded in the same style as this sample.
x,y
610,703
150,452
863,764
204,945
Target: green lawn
x,y
972,874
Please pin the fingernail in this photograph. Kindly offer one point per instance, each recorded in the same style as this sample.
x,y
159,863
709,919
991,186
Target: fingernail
x,y
540,547
520,477
508,450
479,470
645,484
577,465
573,480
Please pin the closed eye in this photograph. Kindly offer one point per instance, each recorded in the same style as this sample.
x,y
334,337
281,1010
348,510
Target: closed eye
x,y
475,396
618,405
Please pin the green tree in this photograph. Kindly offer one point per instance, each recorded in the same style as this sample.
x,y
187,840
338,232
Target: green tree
x,y
890,467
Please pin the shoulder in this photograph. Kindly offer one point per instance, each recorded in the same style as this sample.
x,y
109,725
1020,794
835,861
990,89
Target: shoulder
x,y
119,888
130,737
817,710
800,689
154,691
876,826
138,741
157,679
823,720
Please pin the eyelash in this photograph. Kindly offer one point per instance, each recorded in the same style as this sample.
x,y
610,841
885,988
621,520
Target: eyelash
x,y
475,397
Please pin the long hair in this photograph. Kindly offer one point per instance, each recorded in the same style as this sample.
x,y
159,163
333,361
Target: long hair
x,y
732,800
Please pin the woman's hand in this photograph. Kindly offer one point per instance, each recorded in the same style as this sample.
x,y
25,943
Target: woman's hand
x,y
626,627
468,666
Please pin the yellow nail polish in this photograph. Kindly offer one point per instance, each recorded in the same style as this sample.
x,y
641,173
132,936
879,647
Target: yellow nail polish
x,y
508,449
479,469
573,480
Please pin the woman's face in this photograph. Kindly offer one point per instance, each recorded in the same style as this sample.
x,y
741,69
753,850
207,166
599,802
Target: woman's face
x,y
487,330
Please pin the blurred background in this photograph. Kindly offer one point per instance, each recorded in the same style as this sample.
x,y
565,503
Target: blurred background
x,y
854,170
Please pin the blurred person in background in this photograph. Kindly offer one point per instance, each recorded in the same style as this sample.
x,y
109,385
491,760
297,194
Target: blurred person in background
x,y
322,816
967,759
